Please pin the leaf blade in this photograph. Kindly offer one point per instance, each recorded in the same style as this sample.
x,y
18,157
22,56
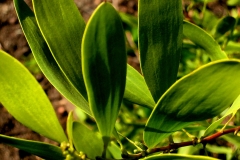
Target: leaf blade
x,y
24,98
63,42
160,43
43,150
184,103
204,40
44,58
104,65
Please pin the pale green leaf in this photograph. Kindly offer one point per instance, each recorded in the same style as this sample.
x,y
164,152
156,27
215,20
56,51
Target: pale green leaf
x,y
104,65
43,150
200,95
160,43
44,57
136,90
86,140
25,99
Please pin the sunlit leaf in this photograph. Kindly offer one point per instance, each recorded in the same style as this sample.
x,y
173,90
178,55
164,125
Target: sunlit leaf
x,y
203,40
25,99
104,65
160,43
202,94
43,150
44,57
136,90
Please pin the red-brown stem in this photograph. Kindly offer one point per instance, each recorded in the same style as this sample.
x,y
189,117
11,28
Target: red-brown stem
x,y
174,146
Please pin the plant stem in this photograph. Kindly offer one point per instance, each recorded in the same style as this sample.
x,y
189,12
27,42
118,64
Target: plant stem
x,y
174,146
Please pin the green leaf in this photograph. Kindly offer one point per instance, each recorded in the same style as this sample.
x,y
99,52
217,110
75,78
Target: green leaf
x,y
115,151
87,141
136,90
177,157
43,150
62,27
160,43
44,57
104,65
203,40
25,99
200,95
232,110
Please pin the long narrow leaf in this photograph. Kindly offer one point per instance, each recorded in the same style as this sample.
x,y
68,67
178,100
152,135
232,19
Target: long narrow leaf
x,y
202,94
25,99
160,43
104,65
62,27
43,150
44,57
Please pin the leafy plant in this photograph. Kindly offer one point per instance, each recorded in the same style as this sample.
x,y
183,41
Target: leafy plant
x,y
87,64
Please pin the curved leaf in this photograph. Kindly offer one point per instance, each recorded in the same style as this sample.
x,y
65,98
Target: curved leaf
x,y
201,38
202,94
160,43
86,141
25,99
104,65
136,90
43,150
177,157
44,57
62,27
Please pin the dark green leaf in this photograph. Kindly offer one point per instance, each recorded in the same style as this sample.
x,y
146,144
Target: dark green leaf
x,y
43,150
160,43
44,57
203,40
202,94
25,99
62,27
104,65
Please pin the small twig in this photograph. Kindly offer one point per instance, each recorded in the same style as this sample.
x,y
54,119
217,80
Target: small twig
x,y
174,146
